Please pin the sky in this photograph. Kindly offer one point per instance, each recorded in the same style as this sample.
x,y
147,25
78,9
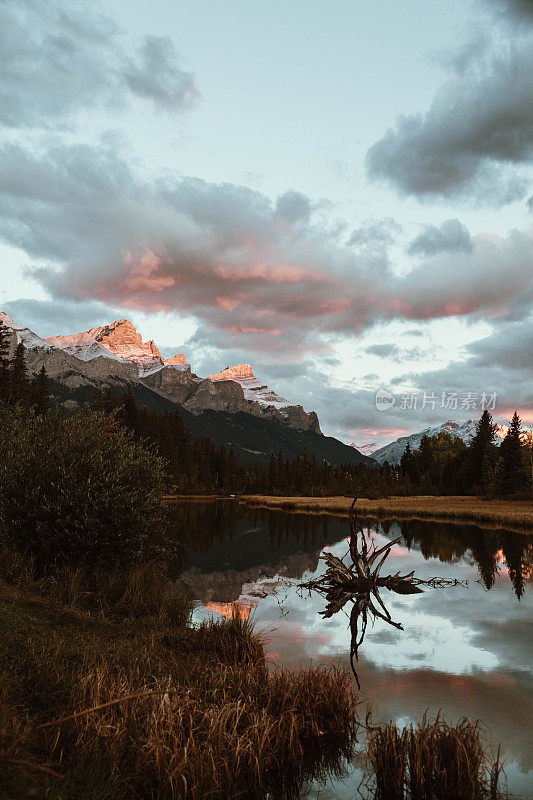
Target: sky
x,y
339,194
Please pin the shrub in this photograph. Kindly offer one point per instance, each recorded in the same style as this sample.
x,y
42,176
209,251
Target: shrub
x,y
77,487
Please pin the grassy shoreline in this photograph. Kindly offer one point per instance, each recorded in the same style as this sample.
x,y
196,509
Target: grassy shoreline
x,y
514,515
103,702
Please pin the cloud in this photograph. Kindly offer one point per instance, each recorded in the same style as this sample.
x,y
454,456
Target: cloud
x,y
451,236
51,317
157,76
383,350
520,10
478,127
59,61
376,232
509,346
254,273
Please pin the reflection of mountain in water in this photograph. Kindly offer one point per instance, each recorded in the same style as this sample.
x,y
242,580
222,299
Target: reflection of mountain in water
x,y
229,546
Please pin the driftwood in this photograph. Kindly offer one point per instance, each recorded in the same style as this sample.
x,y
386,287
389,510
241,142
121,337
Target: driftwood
x,y
360,583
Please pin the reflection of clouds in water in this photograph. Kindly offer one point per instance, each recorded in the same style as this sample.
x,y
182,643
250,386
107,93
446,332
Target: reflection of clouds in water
x,y
466,651
468,645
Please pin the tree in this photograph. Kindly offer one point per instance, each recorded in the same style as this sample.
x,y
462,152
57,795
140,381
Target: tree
x,y
4,360
482,440
426,453
40,392
19,383
528,448
512,473
408,464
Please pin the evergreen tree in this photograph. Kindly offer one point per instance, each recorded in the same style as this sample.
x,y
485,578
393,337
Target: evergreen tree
x,y
40,392
19,383
128,413
512,474
408,464
4,361
483,440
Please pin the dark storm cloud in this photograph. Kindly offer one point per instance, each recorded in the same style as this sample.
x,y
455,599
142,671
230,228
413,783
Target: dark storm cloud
x,y
451,236
478,127
58,61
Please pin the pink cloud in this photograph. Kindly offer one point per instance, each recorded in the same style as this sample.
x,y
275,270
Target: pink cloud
x,y
144,272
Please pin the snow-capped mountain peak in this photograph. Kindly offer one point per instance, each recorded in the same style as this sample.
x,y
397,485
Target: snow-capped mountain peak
x,y
366,449
253,388
119,340
115,355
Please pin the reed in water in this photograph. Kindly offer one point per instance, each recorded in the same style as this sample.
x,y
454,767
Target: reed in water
x,y
432,761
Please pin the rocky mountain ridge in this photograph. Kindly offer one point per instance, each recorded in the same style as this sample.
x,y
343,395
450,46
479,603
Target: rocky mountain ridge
x,y
119,340
115,356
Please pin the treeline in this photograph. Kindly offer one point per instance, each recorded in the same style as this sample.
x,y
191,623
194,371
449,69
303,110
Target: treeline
x,y
441,465
445,465
194,466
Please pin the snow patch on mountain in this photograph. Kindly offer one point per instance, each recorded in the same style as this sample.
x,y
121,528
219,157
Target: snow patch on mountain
x,y
83,346
117,352
28,338
118,340
252,387
366,449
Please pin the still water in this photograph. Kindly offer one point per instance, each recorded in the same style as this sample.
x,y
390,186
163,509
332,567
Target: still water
x,y
465,650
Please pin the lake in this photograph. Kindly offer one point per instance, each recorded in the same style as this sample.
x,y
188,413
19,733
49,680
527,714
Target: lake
x,y
466,650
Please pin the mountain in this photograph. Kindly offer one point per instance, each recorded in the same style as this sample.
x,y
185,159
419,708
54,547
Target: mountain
x,y
232,407
118,340
463,430
366,449
234,390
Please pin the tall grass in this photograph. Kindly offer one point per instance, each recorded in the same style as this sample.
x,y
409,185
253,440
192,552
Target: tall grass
x,y
111,699
432,761
515,515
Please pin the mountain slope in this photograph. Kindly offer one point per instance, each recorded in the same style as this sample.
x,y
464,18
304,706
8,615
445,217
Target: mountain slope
x,y
235,389
463,430
253,440
79,365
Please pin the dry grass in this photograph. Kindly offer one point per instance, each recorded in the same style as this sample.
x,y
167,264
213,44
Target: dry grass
x,y
432,761
104,703
510,514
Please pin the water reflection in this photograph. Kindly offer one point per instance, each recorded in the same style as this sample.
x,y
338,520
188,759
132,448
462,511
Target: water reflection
x,y
490,550
467,651
227,537
359,583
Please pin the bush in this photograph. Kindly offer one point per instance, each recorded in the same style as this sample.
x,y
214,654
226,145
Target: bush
x,y
78,488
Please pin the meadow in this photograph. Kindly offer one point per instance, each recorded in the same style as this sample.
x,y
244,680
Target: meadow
x,y
511,514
